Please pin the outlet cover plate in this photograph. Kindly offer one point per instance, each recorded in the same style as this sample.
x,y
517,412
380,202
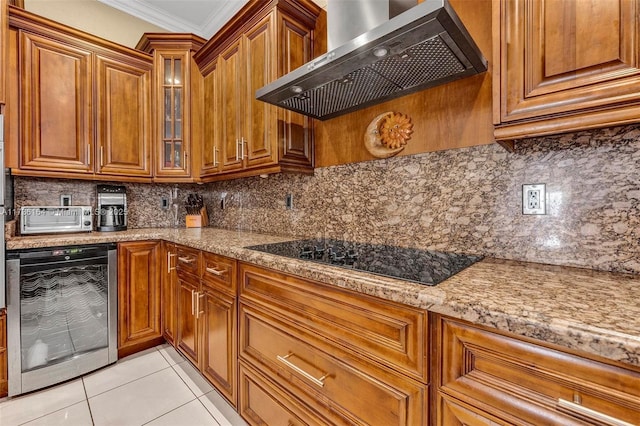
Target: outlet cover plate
x,y
534,198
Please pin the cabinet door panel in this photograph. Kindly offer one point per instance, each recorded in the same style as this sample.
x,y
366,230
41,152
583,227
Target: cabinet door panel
x,y
4,385
187,333
562,56
169,292
4,27
295,132
263,403
123,118
219,342
231,108
138,295
56,106
524,383
211,140
337,385
260,125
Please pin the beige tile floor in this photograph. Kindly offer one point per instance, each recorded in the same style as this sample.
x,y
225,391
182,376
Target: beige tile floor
x,y
156,387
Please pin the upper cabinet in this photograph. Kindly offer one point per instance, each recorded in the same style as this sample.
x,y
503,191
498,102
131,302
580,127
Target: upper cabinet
x,y
564,65
244,136
177,103
83,108
4,26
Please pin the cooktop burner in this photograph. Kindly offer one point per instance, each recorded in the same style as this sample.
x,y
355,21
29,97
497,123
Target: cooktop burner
x,y
422,266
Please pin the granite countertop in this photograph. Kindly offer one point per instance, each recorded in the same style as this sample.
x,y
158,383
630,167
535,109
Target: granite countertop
x,y
596,312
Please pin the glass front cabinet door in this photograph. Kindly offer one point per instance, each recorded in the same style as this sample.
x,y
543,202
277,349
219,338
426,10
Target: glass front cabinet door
x,y
176,77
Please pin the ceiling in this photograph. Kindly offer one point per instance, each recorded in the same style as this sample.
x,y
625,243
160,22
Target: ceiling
x,y
201,17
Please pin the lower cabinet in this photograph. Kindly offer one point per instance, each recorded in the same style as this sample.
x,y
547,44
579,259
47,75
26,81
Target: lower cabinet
x,y
488,378
206,331
139,324
294,361
4,384
169,292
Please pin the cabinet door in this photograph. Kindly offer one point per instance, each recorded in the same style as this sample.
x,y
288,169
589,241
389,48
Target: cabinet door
x,y
219,360
4,385
123,117
567,57
295,131
138,296
187,323
169,292
231,110
56,106
523,383
211,140
260,118
173,112
4,28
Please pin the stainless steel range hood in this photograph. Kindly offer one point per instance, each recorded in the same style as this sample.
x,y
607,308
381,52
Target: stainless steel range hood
x,y
422,47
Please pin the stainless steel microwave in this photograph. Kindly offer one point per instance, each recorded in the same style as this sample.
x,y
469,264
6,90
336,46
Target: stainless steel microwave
x,y
55,219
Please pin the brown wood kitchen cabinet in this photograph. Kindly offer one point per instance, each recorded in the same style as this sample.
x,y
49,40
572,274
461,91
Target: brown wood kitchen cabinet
x,y
169,292
317,354
177,102
4,28
139,288
84,103
207,324
487,377
4,384
564,65
246,136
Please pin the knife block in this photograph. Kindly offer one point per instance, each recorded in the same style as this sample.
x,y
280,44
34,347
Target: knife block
x,y
197,220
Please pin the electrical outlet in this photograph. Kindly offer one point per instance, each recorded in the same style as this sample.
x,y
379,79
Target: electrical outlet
x,y
534,199
164,203
65,200
288,201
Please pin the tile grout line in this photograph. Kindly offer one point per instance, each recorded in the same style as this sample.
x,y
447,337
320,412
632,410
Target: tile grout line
x,y
129,382
207,410
87,400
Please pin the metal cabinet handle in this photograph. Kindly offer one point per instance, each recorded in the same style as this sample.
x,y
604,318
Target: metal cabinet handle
x,y
88,154
184,160
215,271
240,152
193,303
198,311
101,159
284,359
186,259
215,157
169,256
592,414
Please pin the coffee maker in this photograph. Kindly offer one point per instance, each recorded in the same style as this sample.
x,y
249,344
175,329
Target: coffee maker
x,y
112,208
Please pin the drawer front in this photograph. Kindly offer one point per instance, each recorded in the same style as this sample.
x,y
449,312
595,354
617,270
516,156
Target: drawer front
x,y
188,261
506,376
263,403
334,384
219,272
386,332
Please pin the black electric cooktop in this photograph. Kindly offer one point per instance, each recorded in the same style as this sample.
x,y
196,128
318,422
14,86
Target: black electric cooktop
x,y
421,266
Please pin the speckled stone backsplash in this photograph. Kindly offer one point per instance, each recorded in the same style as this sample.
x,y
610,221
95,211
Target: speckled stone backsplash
x,y
143,200
466,200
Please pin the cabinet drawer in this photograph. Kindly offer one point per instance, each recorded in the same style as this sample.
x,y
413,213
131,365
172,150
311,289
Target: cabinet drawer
x,y
219,272
334,384
515,379
389,333
188,261
262,403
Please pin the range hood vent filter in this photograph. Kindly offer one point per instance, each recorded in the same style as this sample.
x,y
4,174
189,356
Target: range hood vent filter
x,y
425,48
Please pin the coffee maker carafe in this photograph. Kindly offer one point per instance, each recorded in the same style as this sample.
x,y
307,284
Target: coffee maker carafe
x,y
112,208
